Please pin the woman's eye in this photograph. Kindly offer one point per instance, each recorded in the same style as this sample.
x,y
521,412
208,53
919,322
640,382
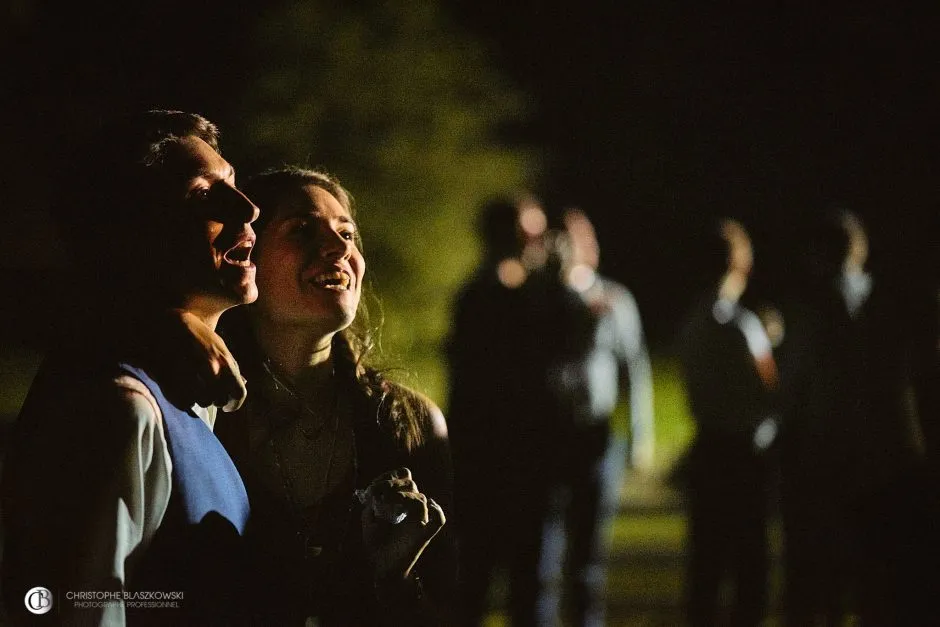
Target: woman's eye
x,y
348,235
200,193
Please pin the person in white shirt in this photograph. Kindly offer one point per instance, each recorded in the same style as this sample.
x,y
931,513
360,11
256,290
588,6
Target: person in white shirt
x,y
586,498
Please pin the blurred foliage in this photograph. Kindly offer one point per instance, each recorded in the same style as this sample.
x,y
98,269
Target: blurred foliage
x,y
17,368
406,111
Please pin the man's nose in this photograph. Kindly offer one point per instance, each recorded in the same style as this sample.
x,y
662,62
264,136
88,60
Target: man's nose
x,y
238,207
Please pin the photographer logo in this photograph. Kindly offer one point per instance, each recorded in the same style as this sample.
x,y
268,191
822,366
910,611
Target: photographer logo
x,y
38,600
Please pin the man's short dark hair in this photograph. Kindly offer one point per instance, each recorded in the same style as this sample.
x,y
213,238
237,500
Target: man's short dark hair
x,y
111,181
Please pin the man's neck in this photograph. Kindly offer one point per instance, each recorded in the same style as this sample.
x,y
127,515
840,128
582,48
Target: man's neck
x,y
209,313
211,320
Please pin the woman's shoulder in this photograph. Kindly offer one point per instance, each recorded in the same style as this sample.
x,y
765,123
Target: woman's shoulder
x,y
414,417
426,409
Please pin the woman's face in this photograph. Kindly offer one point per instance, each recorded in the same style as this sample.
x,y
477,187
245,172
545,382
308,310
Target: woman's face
x,y
310,269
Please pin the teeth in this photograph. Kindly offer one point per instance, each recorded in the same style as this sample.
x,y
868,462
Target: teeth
x,y
332,281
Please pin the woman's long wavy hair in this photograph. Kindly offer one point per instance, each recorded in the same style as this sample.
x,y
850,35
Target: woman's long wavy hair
x,y
399,410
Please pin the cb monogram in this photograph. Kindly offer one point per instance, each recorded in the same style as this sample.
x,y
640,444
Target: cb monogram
x,y
38,600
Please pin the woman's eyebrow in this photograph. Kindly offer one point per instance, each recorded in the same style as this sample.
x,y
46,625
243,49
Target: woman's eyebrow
x,y
299,214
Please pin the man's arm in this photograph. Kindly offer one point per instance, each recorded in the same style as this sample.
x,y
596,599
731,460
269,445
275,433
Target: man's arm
x,y
134,499
103,473
635,357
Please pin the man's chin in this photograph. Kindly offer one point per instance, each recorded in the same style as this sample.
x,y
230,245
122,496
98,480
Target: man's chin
x,y
248,295
242,293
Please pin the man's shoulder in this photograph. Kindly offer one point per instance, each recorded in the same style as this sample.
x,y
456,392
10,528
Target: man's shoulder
x,y
72,385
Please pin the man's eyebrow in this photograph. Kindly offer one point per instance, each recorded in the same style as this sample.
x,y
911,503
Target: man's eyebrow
x,y
208,173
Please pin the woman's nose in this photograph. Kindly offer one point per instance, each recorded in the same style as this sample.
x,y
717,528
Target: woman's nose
x,y
334,246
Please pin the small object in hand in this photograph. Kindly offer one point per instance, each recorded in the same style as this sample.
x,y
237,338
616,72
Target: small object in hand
x,y
393,514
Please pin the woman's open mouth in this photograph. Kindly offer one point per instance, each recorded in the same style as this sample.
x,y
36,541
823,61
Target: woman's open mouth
x,y
338,281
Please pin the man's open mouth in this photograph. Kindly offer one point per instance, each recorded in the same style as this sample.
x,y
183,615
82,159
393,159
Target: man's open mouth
x,y
240,254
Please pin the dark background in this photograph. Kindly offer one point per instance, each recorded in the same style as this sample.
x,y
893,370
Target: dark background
x,y
654,117
661,116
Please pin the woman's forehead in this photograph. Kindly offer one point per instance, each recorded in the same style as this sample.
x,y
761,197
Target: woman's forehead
x,y
309,199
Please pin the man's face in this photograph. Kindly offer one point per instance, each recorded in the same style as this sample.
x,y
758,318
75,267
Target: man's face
x,y
585,250
740,251
207,236
857,253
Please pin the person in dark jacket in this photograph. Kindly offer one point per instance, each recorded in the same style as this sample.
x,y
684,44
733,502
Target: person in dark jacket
x,y
853,480
730,374
515,325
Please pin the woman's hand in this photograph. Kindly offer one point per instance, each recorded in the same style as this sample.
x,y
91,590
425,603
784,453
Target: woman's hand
x,y
398,523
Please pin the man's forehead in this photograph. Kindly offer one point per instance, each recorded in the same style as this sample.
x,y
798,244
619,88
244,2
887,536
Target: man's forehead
x,y
192,157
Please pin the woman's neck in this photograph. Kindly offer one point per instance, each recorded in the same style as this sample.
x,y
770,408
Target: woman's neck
x,y
296,350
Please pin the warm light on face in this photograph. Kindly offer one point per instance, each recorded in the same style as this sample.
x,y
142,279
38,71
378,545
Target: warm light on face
x,y
740,252
310,270
511,273
211,255
857,253
532,220
585,249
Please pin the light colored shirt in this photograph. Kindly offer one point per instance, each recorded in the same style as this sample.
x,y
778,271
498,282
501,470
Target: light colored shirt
x,y
122,509
618,348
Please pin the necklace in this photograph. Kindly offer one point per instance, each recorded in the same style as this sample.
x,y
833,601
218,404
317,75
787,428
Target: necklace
x,y
306,525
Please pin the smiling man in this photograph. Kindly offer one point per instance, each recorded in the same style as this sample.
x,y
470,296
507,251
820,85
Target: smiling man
x,y
119,502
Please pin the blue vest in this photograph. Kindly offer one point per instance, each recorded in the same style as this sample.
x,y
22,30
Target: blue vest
x,y
204,477
198,547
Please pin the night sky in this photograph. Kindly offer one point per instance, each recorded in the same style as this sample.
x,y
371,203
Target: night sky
x,y
654,117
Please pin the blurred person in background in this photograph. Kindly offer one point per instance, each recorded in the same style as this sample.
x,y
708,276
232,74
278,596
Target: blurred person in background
x,y
853,484
731,376
114,481
349,473
585,499
515,322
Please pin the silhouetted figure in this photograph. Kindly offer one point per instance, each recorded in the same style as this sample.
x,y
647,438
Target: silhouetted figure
x,y
584,500
513,323
730,375
850,446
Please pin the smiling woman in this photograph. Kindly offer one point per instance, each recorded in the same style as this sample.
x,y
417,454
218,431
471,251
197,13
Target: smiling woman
x,y
313,241
348,473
